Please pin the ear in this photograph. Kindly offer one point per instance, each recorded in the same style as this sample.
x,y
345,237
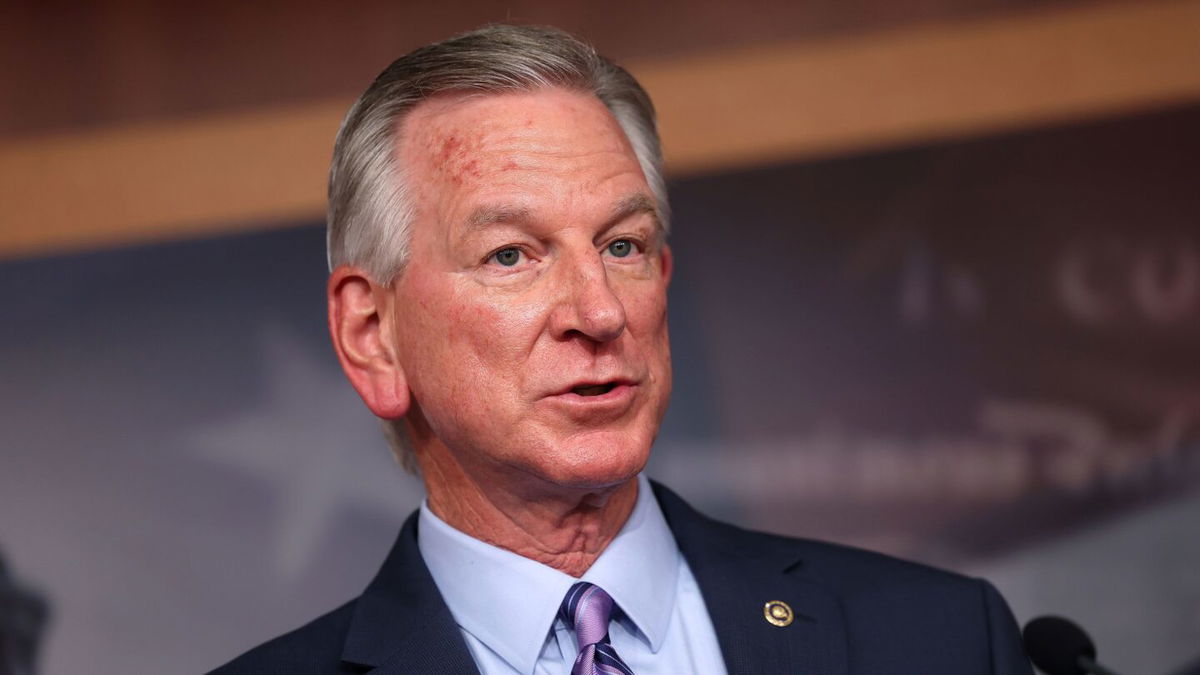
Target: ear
x,y
363,342
668,264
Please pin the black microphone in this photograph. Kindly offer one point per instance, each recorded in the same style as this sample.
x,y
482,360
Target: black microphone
x,y
1059,647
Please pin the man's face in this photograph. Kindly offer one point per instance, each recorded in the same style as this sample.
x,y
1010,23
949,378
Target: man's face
x,y
530,320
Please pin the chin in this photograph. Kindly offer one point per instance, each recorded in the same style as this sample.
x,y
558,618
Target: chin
x,y
598,459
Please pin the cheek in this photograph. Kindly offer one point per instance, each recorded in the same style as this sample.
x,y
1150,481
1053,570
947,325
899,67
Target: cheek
x,y
498,325
646,312
484,338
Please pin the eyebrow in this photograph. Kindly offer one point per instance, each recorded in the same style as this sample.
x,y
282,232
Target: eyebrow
x,y
498,214
633,205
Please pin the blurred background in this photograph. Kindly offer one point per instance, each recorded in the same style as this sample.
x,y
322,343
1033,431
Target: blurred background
x,y
938,294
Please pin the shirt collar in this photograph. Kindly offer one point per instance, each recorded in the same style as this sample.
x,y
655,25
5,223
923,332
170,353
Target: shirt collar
x,y
481,583
640,567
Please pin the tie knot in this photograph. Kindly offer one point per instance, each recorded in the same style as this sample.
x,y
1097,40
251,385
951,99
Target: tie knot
x,y
587,608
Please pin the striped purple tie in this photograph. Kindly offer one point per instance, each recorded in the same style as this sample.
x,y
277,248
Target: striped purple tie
x,y
587,608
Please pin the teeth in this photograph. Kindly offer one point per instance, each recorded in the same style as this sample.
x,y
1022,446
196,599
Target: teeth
x,y
594,390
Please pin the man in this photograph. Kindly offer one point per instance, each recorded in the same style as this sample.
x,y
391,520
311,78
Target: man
x,y
497,228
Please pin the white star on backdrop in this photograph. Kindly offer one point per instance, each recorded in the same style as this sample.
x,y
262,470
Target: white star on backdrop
x,y
311,438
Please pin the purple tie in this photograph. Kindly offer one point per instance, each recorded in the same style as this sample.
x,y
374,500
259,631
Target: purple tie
x,y
587,609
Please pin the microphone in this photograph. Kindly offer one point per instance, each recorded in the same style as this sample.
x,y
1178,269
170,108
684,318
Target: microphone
x,y
1057,646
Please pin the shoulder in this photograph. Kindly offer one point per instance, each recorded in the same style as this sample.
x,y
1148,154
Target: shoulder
x,y
847,570
858,576
854,572
315,647
897,611
891,611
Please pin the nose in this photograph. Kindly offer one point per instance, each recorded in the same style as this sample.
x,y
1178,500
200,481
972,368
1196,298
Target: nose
x,y
588,305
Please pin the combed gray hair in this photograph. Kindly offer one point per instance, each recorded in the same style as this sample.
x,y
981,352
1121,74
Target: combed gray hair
x,y
370,211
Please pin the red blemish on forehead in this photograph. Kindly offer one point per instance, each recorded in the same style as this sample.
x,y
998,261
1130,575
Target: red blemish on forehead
x,y
450,145
454,156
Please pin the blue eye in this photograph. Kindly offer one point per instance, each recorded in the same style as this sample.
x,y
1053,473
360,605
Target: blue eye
x,y
507,256
621,248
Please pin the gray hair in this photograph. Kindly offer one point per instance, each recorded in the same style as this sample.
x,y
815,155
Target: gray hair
x,y
370,211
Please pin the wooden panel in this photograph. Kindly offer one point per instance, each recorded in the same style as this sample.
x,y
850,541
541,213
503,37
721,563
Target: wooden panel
x,y
161,181
83,63
719,111
786,102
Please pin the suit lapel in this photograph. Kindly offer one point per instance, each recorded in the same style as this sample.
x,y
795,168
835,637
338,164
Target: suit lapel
x,y
401,624
738,573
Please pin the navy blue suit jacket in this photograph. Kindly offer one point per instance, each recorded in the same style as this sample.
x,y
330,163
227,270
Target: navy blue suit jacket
x,y
856,613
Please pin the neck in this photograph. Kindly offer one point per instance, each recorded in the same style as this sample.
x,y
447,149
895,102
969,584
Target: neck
x,y
566,528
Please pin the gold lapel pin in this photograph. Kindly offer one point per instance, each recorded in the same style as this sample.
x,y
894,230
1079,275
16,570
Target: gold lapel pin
x,y
778,613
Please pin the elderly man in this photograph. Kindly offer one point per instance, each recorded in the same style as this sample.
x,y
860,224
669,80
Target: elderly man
x,y
497,232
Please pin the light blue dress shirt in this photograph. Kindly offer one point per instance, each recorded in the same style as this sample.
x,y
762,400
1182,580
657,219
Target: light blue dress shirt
x,y
507,605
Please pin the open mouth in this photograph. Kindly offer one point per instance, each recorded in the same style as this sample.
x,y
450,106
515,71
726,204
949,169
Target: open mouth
x,y
594,389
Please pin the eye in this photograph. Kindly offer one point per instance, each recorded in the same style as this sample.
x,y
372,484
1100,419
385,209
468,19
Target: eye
x,y
621,248
507,257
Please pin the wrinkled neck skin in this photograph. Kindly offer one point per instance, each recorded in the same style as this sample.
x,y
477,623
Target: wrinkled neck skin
x,y
566,528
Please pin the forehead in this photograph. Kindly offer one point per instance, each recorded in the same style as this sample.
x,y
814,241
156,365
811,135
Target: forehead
x,y
457,139
482,116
